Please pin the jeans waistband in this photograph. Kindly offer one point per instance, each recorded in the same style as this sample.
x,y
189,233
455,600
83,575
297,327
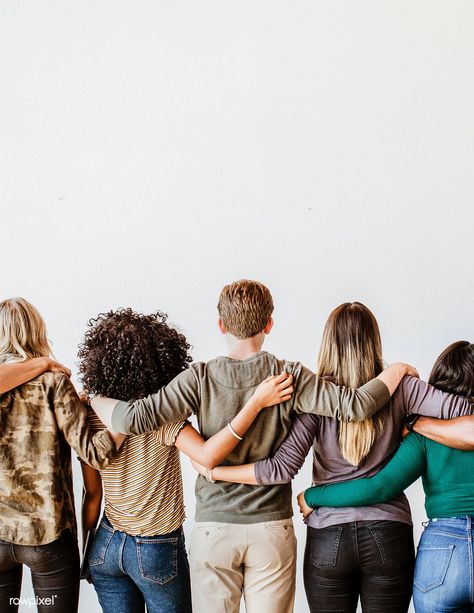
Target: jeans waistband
x,y
461,521
108,526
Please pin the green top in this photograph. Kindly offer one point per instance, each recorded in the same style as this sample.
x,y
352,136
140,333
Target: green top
x,y
447,480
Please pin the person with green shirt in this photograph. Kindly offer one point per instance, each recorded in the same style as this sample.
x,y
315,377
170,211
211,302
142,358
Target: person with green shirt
x,y
444,570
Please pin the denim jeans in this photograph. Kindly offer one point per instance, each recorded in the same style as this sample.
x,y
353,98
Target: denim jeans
x,y
444,573
54,574
372,560
131,571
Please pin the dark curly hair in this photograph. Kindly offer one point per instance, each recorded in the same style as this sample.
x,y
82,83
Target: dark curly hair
x,y
128,355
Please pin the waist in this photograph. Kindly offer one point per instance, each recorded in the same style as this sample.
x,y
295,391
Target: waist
x,y
105,523
462,522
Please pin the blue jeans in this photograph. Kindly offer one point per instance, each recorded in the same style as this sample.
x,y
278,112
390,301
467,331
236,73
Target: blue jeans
x,y
444,573
131,571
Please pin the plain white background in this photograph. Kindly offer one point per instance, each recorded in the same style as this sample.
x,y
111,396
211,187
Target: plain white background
x,y
153,151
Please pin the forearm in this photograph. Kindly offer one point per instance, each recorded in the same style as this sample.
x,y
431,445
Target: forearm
x,y
404,468
456,433
318,396
16,373
393,375
218,447
91,499
245,473
210,453
91,505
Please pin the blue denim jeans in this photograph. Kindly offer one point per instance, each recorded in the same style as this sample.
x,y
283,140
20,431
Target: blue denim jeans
x,y
444,573
131,571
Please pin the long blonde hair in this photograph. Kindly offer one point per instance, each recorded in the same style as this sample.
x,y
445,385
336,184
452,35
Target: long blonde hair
x,y
22,331
351,353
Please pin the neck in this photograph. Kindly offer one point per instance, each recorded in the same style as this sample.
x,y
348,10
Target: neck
x,y
246,348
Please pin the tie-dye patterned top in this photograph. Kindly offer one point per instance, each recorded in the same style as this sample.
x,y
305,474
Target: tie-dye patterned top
x,y
39,423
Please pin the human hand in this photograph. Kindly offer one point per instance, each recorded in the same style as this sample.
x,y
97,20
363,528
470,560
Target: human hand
x,y
199,468
408,370
273,390
54,366
305,510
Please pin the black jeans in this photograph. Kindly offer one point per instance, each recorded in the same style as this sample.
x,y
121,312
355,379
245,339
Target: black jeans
x,y
54,573
373,560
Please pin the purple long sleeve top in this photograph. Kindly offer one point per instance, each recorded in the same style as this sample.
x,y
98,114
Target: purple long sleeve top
x,y
329,466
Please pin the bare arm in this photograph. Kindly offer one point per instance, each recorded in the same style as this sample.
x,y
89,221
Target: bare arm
x,y
272,391
457,433
282,466
14,374
91,499
393,375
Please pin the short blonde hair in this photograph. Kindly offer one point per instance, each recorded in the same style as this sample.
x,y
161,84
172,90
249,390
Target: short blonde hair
x,y
22,330
245,308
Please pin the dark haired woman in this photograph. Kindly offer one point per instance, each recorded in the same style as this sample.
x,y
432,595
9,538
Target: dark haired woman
x,y
353,552
444,571
138,556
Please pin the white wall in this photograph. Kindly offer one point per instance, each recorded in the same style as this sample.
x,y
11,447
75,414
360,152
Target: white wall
x,y
154,150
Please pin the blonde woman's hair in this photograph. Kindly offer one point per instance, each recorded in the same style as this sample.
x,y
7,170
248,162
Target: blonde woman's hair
x,y
22,331
351,353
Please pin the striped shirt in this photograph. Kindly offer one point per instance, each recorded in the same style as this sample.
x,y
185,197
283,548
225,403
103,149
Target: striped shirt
x,y
143,488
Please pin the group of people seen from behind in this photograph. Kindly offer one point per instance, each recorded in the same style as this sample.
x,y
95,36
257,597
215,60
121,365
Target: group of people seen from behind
x,y
373,430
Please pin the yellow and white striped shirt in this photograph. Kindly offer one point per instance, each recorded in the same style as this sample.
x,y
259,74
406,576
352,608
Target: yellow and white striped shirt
x,y
143,488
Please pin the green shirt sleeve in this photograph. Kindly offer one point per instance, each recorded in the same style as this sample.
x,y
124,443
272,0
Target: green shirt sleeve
x,y
403,469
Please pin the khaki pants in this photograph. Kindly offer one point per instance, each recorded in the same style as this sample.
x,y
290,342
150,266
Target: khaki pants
x,y
257,561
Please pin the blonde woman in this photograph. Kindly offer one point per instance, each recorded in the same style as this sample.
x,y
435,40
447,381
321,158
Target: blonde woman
x,y
364,552
39,423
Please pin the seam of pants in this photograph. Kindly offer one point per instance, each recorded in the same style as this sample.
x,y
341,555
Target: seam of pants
x,y
120,552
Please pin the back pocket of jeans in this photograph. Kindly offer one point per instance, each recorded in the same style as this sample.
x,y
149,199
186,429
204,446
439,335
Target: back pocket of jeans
x,y
324,545
431,566
394,541
158,559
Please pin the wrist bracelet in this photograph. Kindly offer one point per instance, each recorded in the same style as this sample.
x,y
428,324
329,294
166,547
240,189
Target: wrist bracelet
x,y
234,432
208,475
410,420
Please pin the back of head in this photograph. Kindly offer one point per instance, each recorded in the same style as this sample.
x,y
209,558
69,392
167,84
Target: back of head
x,y
22,331
245,308
453,371
128,355
351,354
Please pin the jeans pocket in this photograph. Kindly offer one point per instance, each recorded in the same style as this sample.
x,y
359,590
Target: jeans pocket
x,y
102,539
158,558
323,545
431,566
280,531
394,541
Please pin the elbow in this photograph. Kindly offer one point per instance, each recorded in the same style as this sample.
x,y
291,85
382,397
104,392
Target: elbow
x,y
209,460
